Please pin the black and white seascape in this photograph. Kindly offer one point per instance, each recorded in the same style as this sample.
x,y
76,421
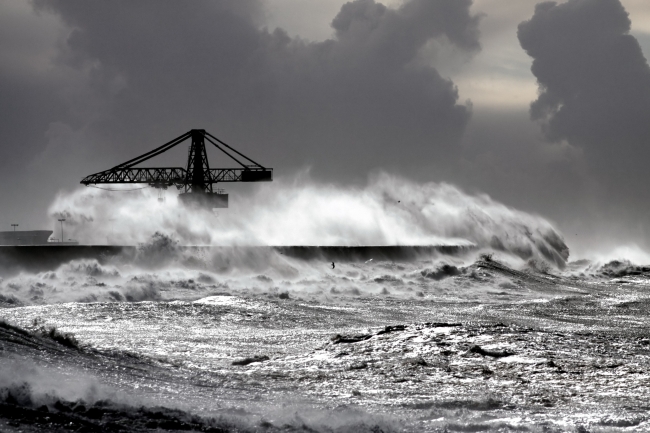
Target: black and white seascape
x,y
381,216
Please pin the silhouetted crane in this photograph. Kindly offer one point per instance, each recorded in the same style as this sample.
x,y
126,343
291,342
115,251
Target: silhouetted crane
x,y
195,180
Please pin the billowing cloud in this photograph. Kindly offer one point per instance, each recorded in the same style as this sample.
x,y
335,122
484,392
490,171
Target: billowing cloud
x,y
594,89
358,101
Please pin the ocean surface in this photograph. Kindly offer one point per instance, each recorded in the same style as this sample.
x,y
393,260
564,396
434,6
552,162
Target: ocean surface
x,y
368,339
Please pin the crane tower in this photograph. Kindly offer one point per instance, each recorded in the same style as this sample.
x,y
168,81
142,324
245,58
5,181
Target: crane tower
x,y
196,180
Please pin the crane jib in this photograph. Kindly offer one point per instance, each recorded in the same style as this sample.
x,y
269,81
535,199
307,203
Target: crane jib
x,y
177,176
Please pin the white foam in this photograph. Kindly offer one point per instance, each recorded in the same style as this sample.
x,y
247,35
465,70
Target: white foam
x,y
518,359
224,300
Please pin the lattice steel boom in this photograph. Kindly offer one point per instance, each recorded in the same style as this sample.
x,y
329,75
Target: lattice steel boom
x,y
169,176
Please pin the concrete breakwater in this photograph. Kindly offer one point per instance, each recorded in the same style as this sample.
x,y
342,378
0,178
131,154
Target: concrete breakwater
x,y
14,259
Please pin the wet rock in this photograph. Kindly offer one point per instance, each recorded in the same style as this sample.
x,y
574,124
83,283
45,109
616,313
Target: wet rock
x,y
608,365
247,361
442,325
338,338
493,353
62,406
95,413
393,328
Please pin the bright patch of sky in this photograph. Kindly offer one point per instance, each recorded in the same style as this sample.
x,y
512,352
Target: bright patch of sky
x,y
498,76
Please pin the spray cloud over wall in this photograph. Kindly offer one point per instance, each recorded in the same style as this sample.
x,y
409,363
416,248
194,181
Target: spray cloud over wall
x,y
389,210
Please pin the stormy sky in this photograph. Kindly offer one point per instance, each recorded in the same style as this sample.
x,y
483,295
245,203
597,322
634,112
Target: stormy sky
x,y
545,106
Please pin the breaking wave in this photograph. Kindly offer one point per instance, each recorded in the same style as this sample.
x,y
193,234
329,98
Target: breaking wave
x,y
171,272
388,211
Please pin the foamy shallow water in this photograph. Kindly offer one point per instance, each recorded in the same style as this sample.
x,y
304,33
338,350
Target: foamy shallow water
x,y
561,353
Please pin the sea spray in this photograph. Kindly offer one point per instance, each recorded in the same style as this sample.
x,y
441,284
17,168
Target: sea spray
x,y
389,210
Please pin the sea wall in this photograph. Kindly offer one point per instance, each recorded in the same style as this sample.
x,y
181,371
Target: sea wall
x,y
15,259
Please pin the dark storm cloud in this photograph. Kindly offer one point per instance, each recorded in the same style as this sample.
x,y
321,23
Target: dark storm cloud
x,y
594,88
27,95
360,100
25,117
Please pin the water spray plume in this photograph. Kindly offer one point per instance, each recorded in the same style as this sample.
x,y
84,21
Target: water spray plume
x,y
389,210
